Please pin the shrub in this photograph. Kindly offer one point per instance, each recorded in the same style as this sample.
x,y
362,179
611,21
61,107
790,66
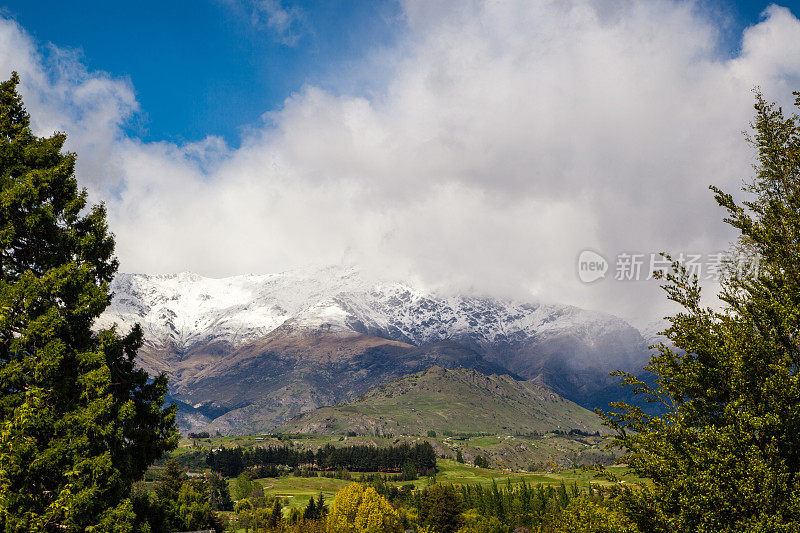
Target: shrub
x,y
356,509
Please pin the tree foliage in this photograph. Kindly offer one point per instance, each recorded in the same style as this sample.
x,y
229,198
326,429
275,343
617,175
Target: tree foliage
x,y
362,510
78,422
440,508
726,454
180,503
480,462
243,486
583,515
419,458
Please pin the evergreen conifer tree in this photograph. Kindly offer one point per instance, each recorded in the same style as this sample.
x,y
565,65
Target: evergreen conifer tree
x,y
725,456
78,422
276,515
322,509
310,512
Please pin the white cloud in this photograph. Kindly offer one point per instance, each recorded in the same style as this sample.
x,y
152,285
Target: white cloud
x,y
508,136
286,24
279,18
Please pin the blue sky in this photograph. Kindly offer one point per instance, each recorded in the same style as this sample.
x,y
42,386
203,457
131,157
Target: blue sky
x,y
206,67
213,67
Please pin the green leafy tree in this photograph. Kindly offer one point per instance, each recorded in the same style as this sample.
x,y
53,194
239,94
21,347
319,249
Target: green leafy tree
x,y
480,462
150,514
409,471
244,514
243,486
357,509
725,456
476,523
78,422
180,503
585,516
170,481
164,510
194,506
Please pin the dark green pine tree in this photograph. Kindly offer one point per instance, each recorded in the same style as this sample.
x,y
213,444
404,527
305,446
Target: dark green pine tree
x,y
78,422
276,516
220,492
322,509
441,508
310,512
726,454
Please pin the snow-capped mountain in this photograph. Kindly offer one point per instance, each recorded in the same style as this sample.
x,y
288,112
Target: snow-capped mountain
x,y
255,344
187,309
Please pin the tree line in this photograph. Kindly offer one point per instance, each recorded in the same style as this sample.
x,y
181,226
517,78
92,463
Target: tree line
x,y
177,502
445,508
421,458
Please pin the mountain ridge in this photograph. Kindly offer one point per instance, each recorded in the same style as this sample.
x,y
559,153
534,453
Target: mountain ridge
x,y
247,352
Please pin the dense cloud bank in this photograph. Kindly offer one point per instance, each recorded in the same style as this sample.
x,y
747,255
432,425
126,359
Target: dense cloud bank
x,y
505,138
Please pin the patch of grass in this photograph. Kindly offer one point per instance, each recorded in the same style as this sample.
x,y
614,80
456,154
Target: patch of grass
x,y
485,442
298,490
461,474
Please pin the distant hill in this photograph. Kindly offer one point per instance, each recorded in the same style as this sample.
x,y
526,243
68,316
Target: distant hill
x,y
458,400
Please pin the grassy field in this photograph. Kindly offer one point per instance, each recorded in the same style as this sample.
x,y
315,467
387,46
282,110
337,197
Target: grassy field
x,y
485,442
461,474
298,490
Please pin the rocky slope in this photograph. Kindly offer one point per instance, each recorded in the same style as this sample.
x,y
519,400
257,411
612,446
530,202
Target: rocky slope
x,y
459,401
246,353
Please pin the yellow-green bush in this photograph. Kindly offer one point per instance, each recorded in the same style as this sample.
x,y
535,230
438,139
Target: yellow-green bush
x,y
585,516
362,510
475,523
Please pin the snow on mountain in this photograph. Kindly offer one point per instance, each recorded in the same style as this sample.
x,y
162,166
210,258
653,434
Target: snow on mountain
x,y
187,309
422,318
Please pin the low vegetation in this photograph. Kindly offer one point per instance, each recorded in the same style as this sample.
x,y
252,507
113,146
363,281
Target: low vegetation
x,y
283,490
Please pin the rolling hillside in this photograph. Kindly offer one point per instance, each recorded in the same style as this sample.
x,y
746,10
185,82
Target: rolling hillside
x,y
456,400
